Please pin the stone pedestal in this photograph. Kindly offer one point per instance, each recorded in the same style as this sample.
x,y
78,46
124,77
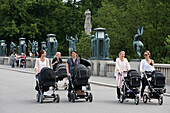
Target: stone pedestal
x,y
7,60
1,60
103,68
135,65
95,67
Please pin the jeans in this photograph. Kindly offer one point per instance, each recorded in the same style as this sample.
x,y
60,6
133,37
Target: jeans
x,y
12,64
118,93
144,83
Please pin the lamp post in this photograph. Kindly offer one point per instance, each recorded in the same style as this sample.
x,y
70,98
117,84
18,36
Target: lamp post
x,y
43,45
2,48
98,44
52,45
22,46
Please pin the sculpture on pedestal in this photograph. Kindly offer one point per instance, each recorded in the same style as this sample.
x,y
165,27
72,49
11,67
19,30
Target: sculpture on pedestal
x,y
34,47
87,25
12,47
137,44
72,42
107,45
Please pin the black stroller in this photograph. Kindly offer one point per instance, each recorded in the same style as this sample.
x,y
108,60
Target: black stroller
x,y
61,73
23,63
80,79
46,81
156,86
131,85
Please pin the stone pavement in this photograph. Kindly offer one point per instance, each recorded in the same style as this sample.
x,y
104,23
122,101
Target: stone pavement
x,y
103,81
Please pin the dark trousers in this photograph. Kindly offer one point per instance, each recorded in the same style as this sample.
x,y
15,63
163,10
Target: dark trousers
x,y
69,86
118,93
144,83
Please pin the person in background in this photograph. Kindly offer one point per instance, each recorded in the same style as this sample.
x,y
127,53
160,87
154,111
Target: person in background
x,y
30,54
57,60
122,65
146,64
13,60
17,59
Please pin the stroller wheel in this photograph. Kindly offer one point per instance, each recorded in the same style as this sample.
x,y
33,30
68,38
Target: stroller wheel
x,y
90,97
145,98
57,98
41,98
69,96
137,100
38,97
73,97
121,98
160,100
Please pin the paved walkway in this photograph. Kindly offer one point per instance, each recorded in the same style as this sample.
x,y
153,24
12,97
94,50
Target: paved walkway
x,y
110,81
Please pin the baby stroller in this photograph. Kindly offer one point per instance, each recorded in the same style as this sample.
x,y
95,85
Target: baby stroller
x,y
45,82
131,85
61,73
23,63
156,86
80,79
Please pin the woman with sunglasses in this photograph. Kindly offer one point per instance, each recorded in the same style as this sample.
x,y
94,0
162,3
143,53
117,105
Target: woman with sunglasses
x,y
146,64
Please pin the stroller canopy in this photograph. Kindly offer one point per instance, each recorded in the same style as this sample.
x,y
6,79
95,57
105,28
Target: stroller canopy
x,y
85,62
132,73
81,71
47,77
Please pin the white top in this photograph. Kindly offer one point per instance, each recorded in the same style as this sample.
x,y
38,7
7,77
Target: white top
x,y
123,66
30,54
39,64
144,66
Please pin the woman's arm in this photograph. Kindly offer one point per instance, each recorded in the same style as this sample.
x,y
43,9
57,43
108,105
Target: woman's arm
x,y
67,69
117,65
152,63
141,66
36,67
48,64
54,62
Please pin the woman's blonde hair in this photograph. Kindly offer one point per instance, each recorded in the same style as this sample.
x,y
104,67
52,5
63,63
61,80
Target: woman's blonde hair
x,y
148,52
121,52
57,54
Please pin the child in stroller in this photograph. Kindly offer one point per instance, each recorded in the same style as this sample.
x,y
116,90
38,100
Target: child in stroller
x,y
131,85
23,60
156,86
45,81
80,79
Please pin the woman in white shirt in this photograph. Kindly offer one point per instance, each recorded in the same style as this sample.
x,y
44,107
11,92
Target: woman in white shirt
x,y
146,64
122,65
41,62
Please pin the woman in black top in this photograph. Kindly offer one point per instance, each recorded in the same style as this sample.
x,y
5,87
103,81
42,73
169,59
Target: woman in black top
x,y
57,60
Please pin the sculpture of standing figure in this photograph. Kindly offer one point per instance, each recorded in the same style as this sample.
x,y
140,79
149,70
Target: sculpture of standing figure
x,y
12,47
87,25
107,45
137,44
55,45
72,42
92,45
4,49
34,47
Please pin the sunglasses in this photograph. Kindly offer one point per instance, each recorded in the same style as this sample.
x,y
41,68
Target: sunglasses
x,y
145,54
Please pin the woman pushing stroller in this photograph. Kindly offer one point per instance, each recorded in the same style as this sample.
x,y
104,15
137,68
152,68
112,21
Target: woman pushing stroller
x,y
147,64
122,65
